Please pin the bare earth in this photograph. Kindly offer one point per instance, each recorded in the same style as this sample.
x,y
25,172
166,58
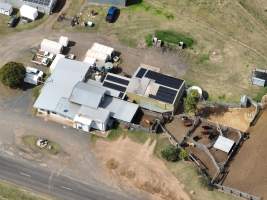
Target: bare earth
x,y
248,170
134,165
234,117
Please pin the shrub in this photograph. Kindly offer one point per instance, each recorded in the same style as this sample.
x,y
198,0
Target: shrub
x,y
191,101
170,153
12,74
183,154
148,40
174,37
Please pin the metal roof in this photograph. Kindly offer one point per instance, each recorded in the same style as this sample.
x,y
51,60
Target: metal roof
x,y
120,109
65,76
86,94
5,6
100,114
224,144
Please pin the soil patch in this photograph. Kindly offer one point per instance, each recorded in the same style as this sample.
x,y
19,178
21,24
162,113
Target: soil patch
x,y
134,165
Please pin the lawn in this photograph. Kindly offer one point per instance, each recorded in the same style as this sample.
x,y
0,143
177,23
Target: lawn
x,y
12,192
229,38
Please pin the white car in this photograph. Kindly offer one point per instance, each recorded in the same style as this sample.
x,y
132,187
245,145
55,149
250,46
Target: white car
x,y
33,76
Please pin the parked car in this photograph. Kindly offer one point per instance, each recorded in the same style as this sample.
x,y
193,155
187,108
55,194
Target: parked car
x,y
33,76
113,14
14,20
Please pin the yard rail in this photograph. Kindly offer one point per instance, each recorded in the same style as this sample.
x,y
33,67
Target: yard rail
x,y
236,192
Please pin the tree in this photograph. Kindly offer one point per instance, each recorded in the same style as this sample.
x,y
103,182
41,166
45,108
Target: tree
x,y
170,153
183,154
190,102
12,74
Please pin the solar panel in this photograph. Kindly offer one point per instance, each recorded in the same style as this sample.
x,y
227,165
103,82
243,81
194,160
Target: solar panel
x,y
164,79
40,2
165,94
117,80
141,73
114,86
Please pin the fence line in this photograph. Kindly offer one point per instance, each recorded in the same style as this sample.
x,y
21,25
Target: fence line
x,y
236,192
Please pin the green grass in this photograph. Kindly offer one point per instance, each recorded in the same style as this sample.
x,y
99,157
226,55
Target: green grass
x,y
12,192
148,40
138,136
260,94
30,141
174,37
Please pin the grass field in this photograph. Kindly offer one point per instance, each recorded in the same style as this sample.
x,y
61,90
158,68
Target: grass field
x,y
230,38
12,192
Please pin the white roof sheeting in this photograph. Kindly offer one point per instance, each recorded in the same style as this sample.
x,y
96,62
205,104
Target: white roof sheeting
x,y
100,114
28,12
102,49
64,41
96,55
55,62
66,75
6,6
224,144
51,46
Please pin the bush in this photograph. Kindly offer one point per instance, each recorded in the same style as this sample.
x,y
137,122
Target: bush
x,y
183,154
12,74
171,153
174,37
148,40
191,101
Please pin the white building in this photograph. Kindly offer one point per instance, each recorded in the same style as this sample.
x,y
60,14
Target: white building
x,y
51,46
6,8
33,76
68,98
28,12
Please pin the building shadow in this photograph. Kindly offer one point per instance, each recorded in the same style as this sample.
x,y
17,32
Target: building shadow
x,y
132,2
59,5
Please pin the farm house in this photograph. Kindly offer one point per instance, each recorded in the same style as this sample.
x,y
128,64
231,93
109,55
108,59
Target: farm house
x,y
43,6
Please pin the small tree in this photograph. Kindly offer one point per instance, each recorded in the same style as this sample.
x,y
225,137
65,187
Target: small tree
x,y
183,154
190,102
12,74
170,153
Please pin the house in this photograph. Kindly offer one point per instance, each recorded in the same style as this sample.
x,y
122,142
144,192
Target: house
x,y
155,91
69,98
6,8
51,46
43,6
28,12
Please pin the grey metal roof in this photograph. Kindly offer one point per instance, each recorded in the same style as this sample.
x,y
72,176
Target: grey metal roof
x,y
5,6
86,94
66,75
66,108
100,114
120,109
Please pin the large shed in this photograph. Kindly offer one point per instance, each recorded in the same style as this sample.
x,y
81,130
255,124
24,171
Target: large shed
x,y
43,6
28,12
51,46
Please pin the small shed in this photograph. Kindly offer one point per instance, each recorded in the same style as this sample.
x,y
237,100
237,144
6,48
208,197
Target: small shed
x,y
6,8
224,144
64,41
102,49
51,46
28,12
259,77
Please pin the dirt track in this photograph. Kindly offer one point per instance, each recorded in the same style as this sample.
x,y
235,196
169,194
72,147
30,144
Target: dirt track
x,y
248,170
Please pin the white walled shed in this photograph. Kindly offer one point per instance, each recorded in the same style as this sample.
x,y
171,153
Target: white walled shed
x,y
64,41
28,12
6,8
102,49
51,46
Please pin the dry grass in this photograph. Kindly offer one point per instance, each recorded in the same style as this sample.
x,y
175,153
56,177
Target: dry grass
x,y
230,36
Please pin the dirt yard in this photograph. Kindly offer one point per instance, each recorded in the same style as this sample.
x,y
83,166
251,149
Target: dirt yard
x,y
238,118
133,164
248,170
